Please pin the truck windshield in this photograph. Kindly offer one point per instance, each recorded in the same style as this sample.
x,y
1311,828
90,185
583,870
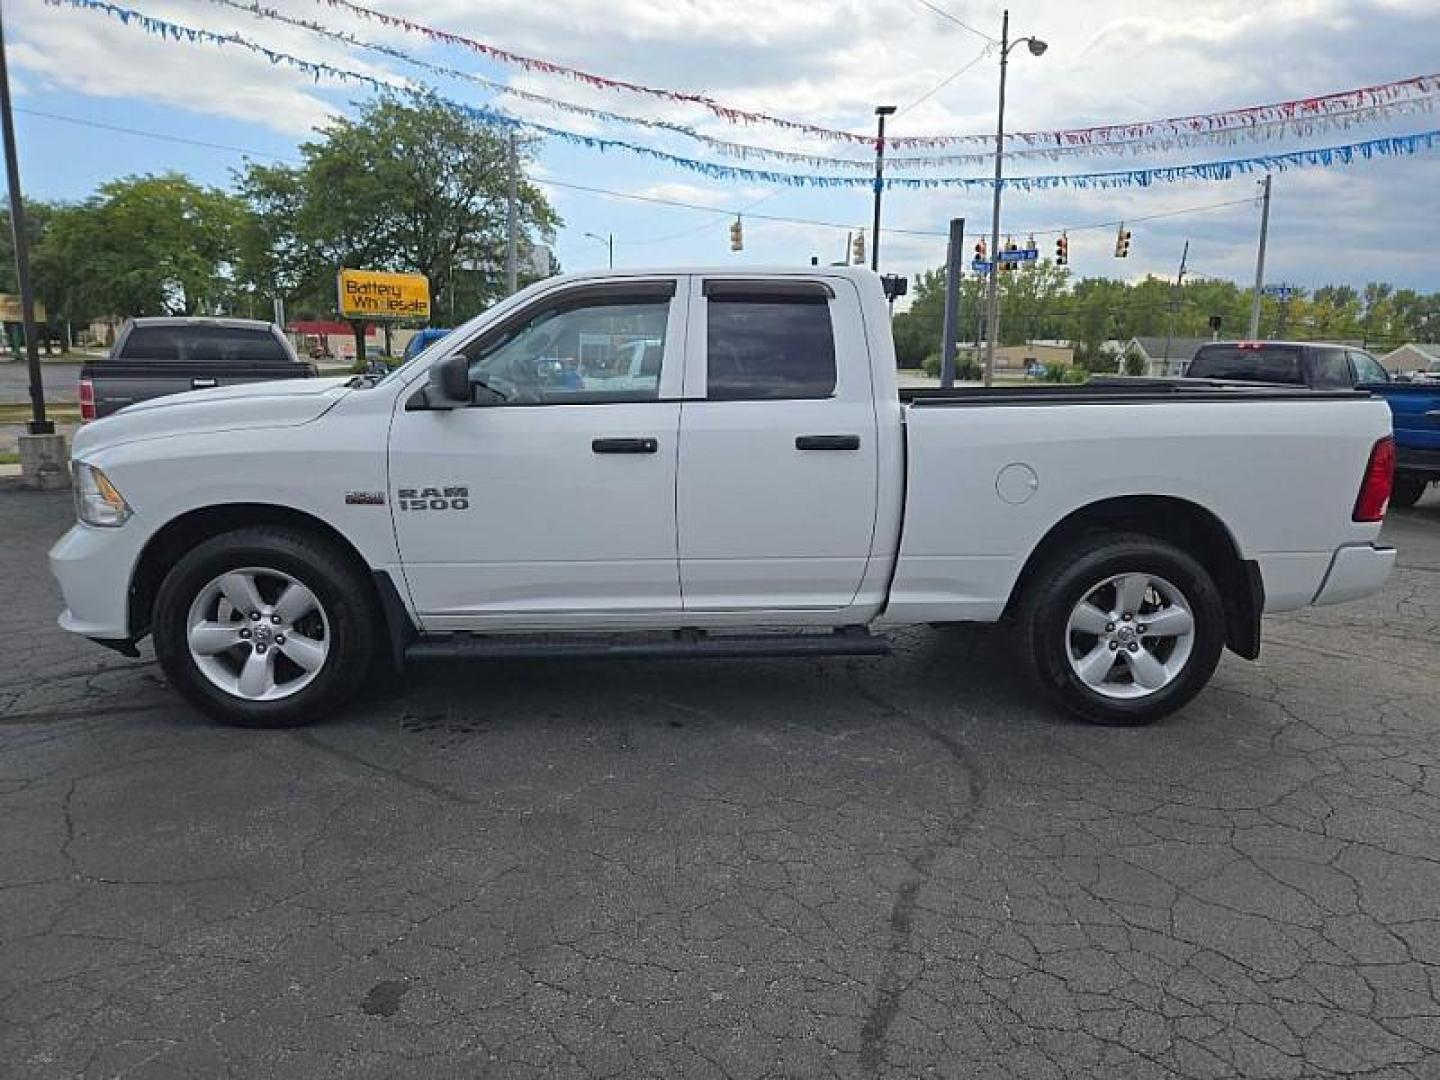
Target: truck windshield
x,y
203,345
1250,363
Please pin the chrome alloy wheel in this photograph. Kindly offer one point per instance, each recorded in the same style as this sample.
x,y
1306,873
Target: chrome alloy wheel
x,y
258,634
1130,636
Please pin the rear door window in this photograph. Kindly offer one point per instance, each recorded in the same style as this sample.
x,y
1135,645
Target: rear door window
x,y
1332,370
1249,363
768,345
211,345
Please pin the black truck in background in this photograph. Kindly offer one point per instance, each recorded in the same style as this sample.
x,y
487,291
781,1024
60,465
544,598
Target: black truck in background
x,y
153,357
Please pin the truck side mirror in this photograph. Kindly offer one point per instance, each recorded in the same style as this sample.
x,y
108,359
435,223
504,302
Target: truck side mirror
x,y
450,381
446,387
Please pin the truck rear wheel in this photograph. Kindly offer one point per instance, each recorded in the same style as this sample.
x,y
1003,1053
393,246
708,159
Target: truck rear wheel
x,y
1125,632
265,627
1408,488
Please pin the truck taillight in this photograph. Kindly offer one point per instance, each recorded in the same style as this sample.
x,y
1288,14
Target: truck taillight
x,y
1374,494
87,400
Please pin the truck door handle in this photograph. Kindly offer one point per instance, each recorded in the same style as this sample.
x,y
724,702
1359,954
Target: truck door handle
x,y
203,384
1435,413
625,446
827,442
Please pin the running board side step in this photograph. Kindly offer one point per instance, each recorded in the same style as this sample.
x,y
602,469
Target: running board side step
x,y
682,644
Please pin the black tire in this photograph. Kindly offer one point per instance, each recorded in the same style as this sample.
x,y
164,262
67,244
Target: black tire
x,y
1407,489
346,599
1074,574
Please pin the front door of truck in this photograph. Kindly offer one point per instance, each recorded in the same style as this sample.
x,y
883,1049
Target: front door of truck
x,y
778,456
551,501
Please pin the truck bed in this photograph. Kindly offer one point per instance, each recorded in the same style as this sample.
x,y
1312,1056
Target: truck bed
x,y
1119,391
982,492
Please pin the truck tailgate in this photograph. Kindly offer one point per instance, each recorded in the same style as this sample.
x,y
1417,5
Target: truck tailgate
x,y
119,383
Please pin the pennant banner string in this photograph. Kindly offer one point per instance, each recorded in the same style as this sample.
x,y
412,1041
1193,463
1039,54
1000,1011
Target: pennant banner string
x,y
1311,107
1267,129
1393,146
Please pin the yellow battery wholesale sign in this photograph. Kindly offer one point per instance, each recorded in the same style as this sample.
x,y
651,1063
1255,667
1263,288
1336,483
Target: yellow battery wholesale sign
x,y
378,294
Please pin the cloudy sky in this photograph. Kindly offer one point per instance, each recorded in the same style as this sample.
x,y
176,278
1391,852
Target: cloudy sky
x,y
824,61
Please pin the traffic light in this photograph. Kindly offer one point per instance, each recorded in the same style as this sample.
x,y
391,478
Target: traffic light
x,y
857,249
1122,242
737,236
980,250
1010,245
1030,244
1062,250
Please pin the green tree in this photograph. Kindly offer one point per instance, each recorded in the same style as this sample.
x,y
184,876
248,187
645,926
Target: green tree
x,y
49,286
919,330
143,245
408,184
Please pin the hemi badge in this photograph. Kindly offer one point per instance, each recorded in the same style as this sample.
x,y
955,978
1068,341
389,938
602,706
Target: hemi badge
x,y
364,498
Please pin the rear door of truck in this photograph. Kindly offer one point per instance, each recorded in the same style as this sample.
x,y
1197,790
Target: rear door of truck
x,y
778,470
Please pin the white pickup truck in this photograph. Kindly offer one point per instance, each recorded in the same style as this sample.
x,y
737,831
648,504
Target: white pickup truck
x,y
756,486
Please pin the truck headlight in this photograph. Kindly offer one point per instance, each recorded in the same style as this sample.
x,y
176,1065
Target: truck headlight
x,y
97,501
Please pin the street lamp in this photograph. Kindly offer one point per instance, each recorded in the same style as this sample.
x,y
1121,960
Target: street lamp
x,y
881,111
992,296
608,240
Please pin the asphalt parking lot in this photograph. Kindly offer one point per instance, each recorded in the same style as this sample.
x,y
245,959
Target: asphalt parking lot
x,y
61,381
901,867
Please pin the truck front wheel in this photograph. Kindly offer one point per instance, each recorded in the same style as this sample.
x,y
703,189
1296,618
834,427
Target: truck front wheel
x,y
265,627
1124,632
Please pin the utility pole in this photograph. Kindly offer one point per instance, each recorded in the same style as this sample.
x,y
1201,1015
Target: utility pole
x,y
1260,258
1175,304
39,423
954,256
881,111
992,292
512,268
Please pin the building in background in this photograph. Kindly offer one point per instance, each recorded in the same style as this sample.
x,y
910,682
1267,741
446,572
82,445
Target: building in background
x,y
1163,361
1408,359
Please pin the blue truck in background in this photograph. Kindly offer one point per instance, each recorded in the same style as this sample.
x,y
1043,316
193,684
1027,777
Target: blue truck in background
x,y
1414,406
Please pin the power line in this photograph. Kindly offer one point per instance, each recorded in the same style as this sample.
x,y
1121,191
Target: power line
x,y
628,196
944,83
80,122
720,210
963,25
1132,220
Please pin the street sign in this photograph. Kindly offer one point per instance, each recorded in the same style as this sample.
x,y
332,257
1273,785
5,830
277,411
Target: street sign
x,y
377,294
1022,255
1280,291
980,266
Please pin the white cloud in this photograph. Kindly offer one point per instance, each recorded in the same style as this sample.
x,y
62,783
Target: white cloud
x,y
66,48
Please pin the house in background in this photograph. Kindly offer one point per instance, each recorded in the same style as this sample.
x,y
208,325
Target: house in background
x,y
1160,360
1408,359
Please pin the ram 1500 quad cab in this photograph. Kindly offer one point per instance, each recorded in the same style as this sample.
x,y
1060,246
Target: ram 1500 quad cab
x,y
709,463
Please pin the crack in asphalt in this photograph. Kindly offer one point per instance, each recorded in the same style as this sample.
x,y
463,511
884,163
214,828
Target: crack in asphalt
x,y
883,1010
